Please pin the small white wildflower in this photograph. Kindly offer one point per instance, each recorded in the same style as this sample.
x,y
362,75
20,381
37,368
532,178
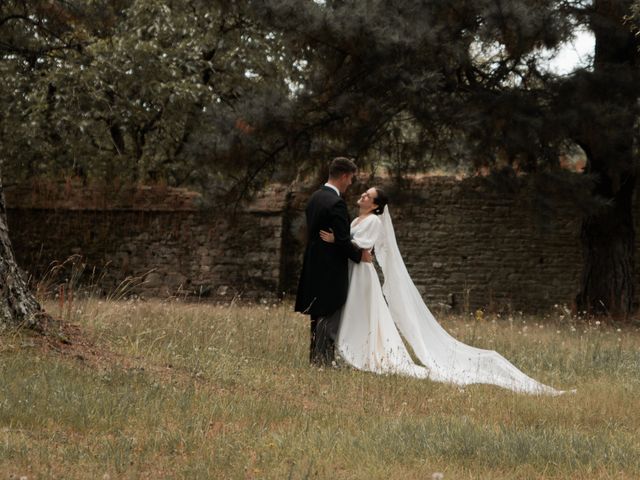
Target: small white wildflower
x,y
437,476
597,322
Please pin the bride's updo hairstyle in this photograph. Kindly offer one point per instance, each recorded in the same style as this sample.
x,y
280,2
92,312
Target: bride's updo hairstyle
x,y
380,201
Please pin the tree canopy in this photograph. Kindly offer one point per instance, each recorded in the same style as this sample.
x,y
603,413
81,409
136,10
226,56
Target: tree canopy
x,y
471,78
139,91
229,95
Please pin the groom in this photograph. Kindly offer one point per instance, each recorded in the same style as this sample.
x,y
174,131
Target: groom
x,y
324,280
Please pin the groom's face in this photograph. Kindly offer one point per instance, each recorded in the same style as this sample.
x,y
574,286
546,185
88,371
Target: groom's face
x,y
345,181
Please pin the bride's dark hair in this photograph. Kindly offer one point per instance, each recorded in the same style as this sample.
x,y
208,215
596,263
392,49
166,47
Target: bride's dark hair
x,y
381,200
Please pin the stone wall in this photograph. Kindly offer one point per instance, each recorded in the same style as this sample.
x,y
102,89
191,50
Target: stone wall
x,y
466,244
165,247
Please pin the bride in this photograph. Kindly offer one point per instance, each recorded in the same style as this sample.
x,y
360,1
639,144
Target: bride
x,y
369,339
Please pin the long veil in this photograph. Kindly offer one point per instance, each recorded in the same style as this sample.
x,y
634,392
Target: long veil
x,y
447,359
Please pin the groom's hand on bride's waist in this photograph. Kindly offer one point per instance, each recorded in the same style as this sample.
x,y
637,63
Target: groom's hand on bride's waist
x,y
367,256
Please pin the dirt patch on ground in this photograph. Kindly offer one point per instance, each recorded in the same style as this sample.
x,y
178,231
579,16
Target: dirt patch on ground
x,y
69,341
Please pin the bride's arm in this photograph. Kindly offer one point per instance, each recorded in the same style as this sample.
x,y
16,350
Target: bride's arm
x,y
329,237
367,235
365,238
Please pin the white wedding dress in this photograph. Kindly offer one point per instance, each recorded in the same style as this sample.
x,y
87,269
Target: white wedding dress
x,y
369,339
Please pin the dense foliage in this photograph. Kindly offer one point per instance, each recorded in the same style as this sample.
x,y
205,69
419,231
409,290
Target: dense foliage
x,y
228,95
131,92
473,77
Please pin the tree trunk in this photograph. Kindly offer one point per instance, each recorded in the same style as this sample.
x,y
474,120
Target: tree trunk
x,y
608,239
607,136
18,306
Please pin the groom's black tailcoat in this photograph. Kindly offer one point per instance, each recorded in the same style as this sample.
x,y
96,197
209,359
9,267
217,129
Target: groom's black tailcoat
x,y
324,280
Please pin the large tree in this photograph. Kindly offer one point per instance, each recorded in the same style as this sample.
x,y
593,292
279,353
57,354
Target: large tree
x,y
232,94
29,31
469,80
124,92
18,306
606,99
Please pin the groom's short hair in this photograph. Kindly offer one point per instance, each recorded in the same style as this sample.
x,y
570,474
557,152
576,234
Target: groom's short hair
x,y
341,165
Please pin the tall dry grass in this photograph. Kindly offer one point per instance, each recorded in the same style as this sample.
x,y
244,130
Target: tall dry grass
x,y
178,390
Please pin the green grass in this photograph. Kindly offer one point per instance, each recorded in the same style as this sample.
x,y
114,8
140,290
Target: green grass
x,y
173,390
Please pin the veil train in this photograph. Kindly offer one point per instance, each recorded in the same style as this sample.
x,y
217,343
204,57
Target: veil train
x,y
446,359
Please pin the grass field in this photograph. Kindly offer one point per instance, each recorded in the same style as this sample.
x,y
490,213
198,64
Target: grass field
x,y
175,390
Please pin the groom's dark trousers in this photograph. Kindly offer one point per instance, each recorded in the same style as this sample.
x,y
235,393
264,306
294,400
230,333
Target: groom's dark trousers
x,y
324,280
324,331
